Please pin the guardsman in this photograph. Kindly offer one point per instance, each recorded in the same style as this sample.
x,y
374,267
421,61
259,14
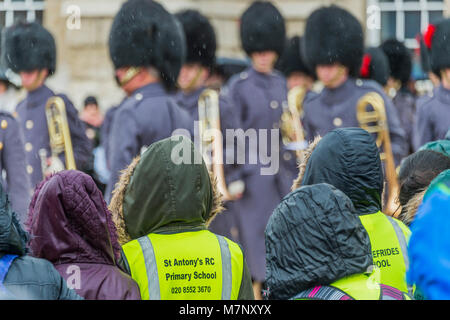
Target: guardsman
x,y
147,48
194,74
297,73
30,51
257,97
404,101
334,48
13,161
200,58
432,119
292,65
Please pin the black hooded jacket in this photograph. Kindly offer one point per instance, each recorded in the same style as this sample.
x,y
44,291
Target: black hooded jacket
x,y
313,238
28,278
349,159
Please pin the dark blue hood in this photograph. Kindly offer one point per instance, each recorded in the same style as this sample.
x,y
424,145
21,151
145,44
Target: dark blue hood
x,y
348,159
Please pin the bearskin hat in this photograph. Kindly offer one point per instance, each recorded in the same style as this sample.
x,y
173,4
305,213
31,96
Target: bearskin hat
x,y
200,38
425,62
333,35
144,34
291,60
28,46
262,28
375,66
440,46
400,61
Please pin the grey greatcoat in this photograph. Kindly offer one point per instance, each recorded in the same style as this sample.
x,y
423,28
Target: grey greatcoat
x,y
256,100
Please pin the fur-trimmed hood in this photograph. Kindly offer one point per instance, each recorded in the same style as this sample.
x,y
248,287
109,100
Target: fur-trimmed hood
x,y
156,194
410,209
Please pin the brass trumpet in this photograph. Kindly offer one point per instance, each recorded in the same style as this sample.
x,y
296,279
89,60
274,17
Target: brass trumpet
x,y
211,136
291,127
376,122
59,134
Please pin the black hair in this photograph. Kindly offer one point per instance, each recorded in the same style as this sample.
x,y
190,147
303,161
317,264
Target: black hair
x,y
418,170
90,100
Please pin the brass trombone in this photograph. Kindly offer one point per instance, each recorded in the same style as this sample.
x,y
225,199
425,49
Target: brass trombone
x,y
291,127
211,136
59,134
376,122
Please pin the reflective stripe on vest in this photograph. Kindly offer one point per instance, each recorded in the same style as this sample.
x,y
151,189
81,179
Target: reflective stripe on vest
x,y
403,246
333,293
187,265
389,249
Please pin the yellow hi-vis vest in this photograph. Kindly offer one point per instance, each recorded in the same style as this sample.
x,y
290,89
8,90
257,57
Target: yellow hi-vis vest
x,y
389,240
198,265
362,286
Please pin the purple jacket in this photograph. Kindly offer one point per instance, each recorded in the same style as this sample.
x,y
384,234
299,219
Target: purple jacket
x,y
71,227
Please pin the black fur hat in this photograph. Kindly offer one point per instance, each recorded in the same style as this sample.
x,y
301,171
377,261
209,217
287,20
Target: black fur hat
x,y
144,34
400,61
262,28
424,55
200,38
375,66
333,34
291,60
28,46
440,47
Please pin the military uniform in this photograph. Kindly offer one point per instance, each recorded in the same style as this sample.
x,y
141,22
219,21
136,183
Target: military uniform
x,y
334,36
432,118
336,108
405,103
29,46
400,65
256,100
149,113
201,48
12,155
33,121
147,116
105,130
433,113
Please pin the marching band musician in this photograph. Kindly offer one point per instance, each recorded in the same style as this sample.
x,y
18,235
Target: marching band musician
x,y
30,51
297,73
404,101
334,48
257,97
192,81
147,48
433,116
200,58
292,65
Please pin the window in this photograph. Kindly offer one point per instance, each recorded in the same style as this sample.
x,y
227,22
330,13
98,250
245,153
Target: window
x,y
404,19
12,10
